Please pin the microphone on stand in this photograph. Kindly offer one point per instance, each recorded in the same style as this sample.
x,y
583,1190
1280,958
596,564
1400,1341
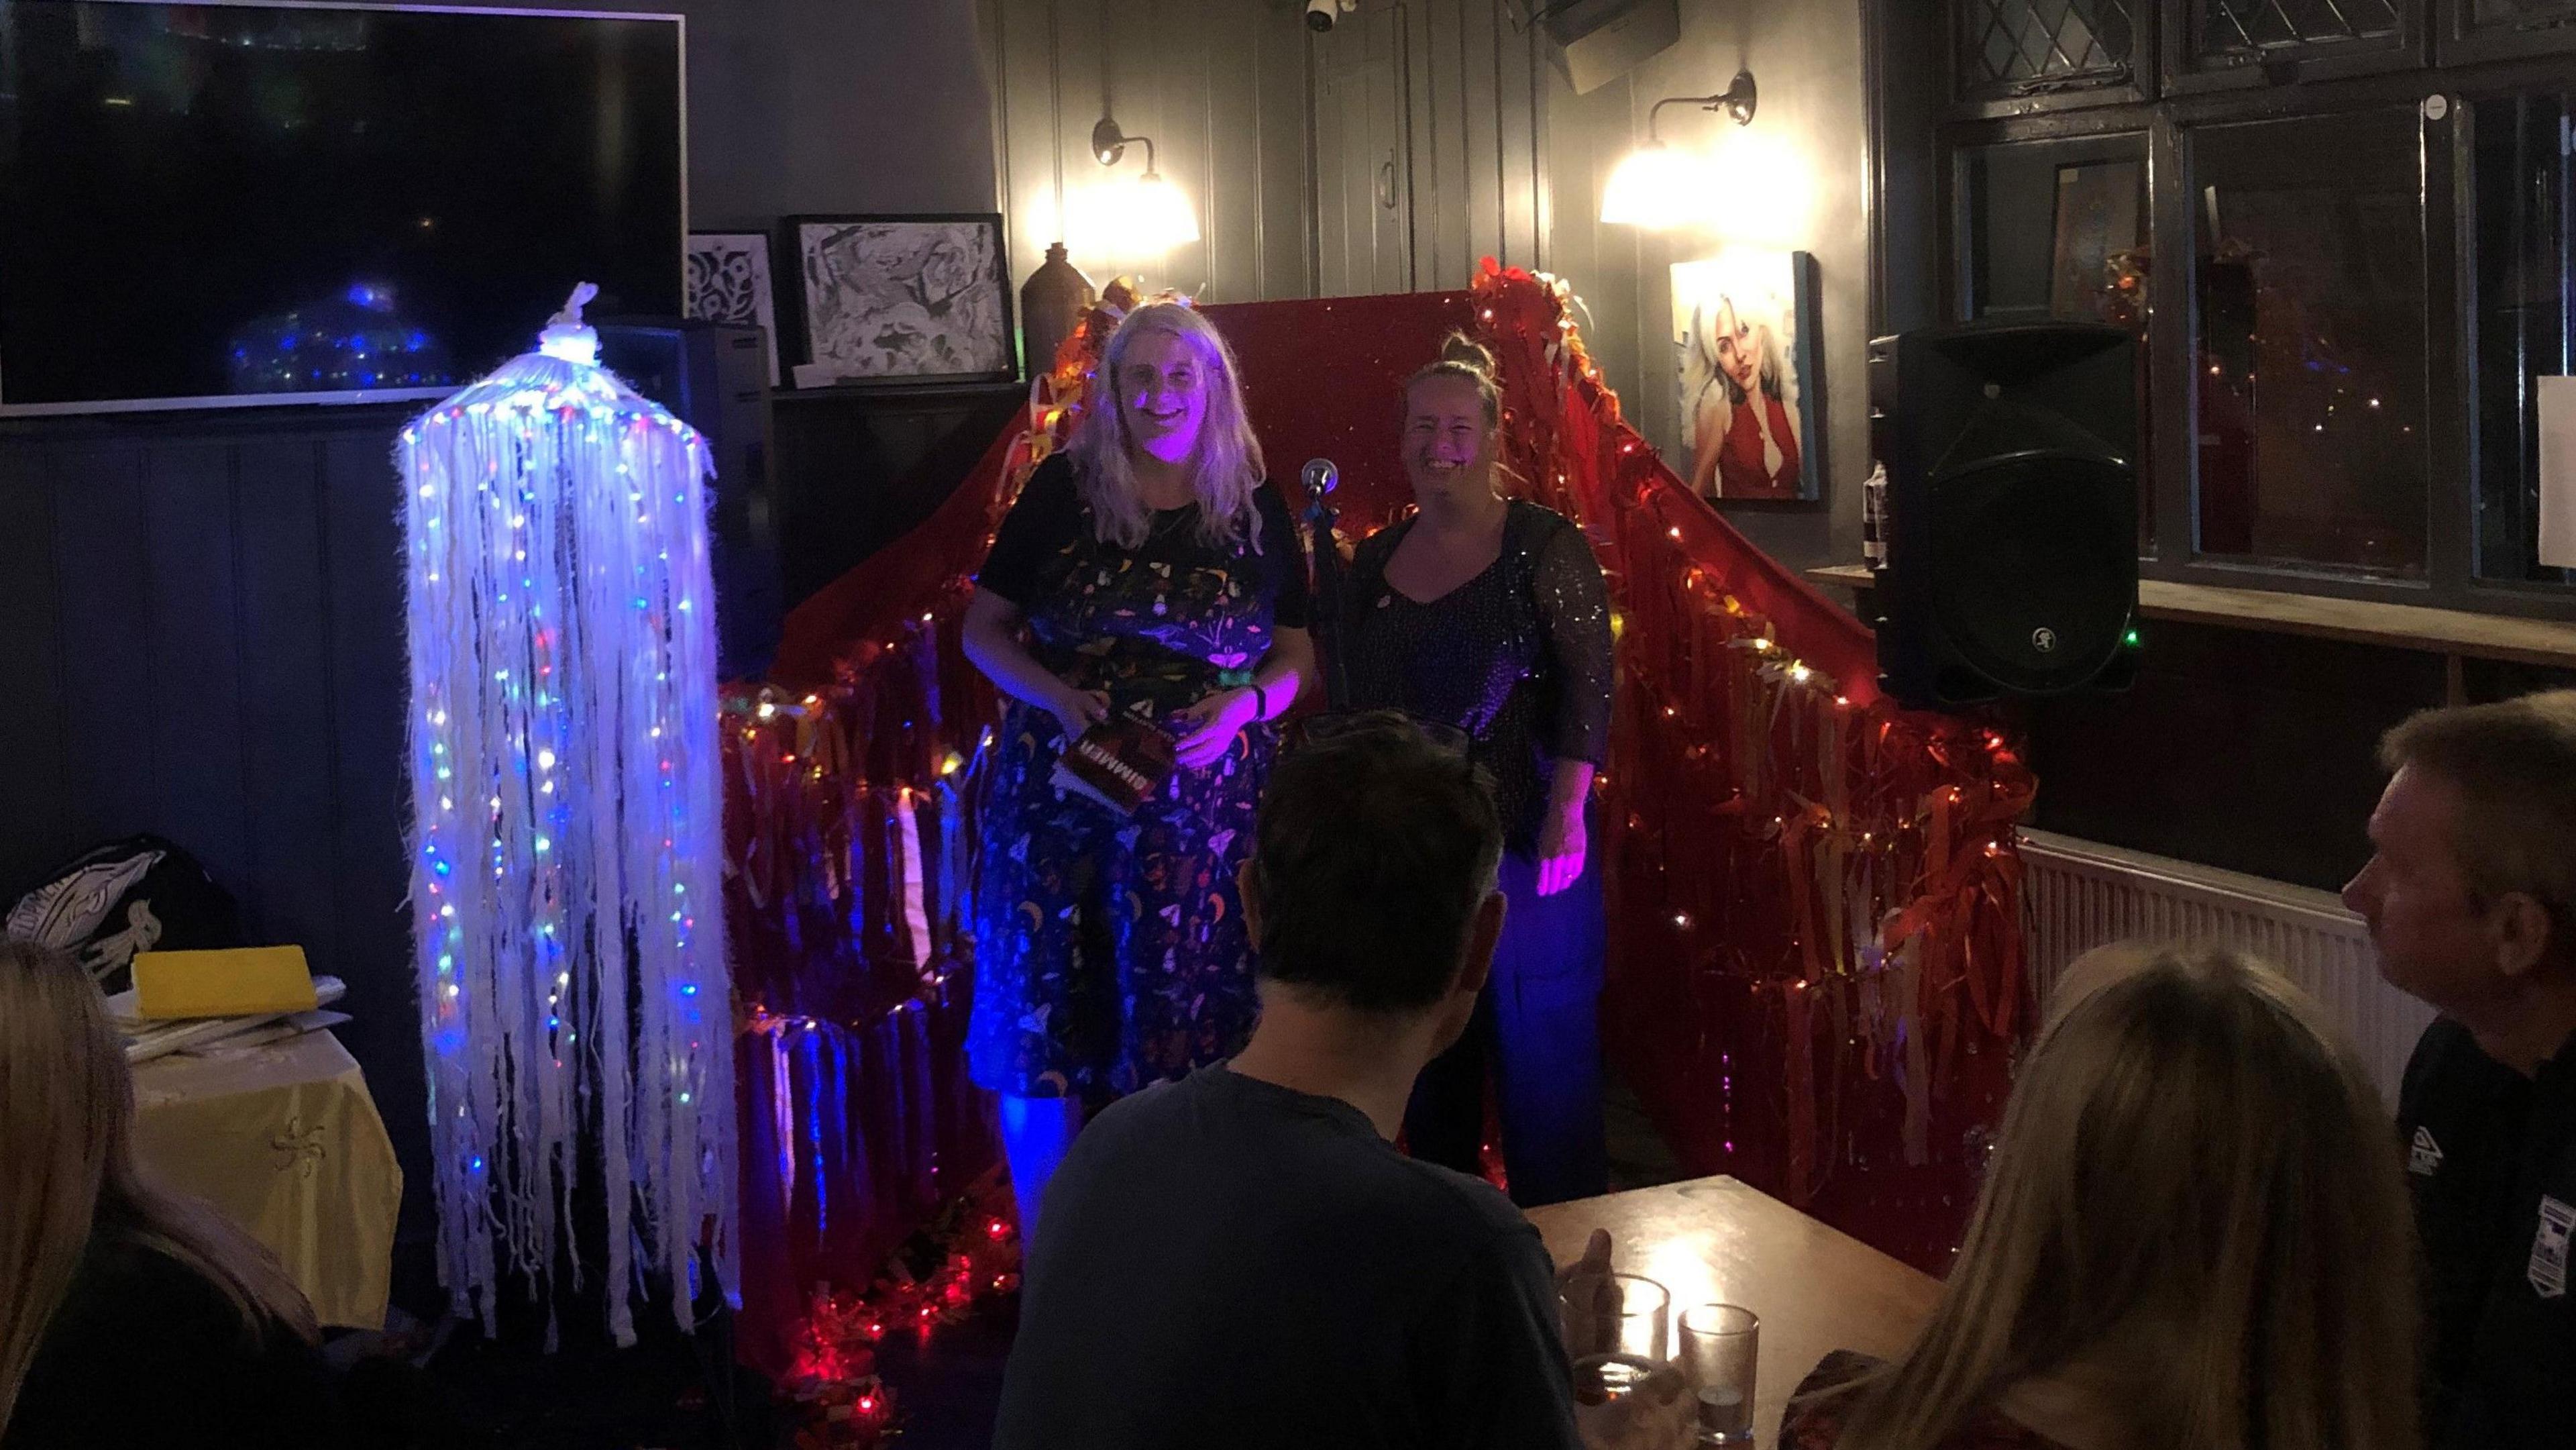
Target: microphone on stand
x,y
1321,478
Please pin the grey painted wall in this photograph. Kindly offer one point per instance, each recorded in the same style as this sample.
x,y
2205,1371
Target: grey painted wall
x,y
1290,145
1804,164
1221,88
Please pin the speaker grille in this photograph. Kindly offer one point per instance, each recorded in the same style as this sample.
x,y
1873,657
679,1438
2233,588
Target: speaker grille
x,y
2025,551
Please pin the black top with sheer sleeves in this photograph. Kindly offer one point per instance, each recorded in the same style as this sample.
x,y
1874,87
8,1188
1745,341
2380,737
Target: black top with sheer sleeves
x,y
1519,657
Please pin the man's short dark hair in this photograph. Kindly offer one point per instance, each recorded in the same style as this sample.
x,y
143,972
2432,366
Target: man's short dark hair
x,y
1375,847
2515,763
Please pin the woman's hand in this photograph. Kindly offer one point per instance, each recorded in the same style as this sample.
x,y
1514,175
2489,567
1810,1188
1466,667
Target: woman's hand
x,y
1589,1298
1077,710
1213,724
992,640
1561,846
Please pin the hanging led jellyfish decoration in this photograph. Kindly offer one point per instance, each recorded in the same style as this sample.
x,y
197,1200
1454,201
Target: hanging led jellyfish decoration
x,y
567,830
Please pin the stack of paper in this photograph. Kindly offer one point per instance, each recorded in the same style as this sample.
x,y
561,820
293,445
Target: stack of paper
x,y
146,1040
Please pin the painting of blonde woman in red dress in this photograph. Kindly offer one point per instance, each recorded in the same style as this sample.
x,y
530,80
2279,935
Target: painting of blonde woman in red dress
x,y
1745,340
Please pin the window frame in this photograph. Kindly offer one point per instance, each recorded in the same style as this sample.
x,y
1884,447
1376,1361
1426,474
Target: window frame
x,y
1971,101
2447,221
2187,72
2459,40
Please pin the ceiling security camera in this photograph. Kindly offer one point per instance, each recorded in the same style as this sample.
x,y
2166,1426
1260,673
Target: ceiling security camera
x,y
1320,14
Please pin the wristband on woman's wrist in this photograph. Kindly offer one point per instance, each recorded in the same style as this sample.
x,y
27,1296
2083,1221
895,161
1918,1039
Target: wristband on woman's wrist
x,y
1260,701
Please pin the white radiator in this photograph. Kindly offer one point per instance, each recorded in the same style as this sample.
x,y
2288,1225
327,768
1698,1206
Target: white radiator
x,y
2078,895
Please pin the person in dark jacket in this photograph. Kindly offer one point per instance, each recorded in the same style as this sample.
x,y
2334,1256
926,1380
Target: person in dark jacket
x,y
2470,894
1488,615
129,1317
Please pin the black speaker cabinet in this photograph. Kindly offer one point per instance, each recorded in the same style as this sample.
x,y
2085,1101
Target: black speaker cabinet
x,y
715,378
2012,510
1598,41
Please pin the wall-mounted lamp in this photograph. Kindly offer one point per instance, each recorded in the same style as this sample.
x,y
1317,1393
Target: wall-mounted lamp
x,y
1109,144
1657,187
1148,215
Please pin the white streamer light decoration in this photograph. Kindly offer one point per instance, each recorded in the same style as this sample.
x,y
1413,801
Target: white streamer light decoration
x,y
567,828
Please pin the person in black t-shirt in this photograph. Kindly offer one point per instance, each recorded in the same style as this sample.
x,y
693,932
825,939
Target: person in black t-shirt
x,y
2470,895
1242,1258
1146,572
129,1317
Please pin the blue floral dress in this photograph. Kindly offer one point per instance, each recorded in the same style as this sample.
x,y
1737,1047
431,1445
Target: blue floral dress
x,y
1110,951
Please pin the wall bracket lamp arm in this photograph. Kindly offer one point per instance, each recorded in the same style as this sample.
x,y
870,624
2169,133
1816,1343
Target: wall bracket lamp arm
x,y
1736,103
1108,144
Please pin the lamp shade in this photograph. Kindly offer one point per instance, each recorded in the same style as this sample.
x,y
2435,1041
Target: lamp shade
x,y
1139,218
1655,187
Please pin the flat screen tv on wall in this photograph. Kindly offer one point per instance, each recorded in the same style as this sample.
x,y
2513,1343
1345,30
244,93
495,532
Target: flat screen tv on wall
x,y
223,204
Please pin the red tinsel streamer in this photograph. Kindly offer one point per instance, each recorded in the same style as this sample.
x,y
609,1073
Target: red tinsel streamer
x,y
856,760
1817,976
833,1376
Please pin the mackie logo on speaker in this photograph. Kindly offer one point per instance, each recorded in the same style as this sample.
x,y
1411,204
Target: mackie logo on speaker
x,y
2044,640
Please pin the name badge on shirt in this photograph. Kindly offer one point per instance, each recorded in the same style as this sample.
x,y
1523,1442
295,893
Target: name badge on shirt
x,y
2424,1159
2548,1271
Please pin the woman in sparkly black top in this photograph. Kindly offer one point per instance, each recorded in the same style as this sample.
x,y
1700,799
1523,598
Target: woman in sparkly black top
x,y
1488,614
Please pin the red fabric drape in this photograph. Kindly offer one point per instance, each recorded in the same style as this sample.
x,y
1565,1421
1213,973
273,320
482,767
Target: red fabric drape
x,y
1816,970
1816,974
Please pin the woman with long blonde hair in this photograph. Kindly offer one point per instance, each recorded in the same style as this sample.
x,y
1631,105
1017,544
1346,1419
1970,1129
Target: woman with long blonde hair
x,y
128,1316
2192,1234
1145,574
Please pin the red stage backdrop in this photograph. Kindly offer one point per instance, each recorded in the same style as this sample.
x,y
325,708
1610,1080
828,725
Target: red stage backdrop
x,y
1816,974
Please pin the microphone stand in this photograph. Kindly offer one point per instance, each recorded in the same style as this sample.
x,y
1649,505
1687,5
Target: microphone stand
x,y
1320,517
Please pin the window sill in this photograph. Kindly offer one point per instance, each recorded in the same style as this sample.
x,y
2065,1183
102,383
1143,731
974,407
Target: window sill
x,y
2451,632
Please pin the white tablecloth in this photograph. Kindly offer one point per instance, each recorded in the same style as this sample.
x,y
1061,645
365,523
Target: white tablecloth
x,y
285,1140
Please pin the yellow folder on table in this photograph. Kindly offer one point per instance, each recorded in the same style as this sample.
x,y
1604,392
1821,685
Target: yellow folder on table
x,y
238,982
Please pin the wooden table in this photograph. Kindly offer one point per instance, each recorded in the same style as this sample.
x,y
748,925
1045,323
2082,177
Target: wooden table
x,y
1817,1289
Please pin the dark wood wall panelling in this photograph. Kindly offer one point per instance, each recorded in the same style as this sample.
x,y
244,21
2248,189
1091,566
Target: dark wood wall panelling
x,y
200,614
2254,752
858,469
201,632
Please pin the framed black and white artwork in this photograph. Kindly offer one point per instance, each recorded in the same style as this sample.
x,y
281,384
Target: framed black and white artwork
x,y
729,282
897,299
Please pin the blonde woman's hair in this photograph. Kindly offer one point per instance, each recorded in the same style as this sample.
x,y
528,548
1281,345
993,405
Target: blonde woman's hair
x,y
67,1168
1226,469
2194,1214
1462,356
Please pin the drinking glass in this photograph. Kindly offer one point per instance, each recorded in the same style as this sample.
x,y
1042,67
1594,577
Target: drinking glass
x,y
1718,1349
1615,1330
